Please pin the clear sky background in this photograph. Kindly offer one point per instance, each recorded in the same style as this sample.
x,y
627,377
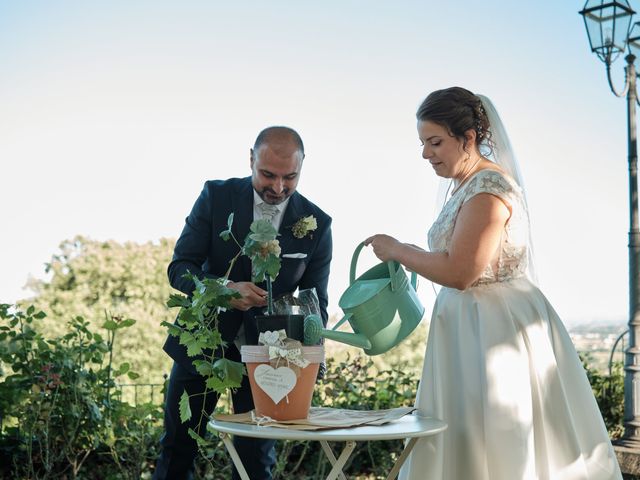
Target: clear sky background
x,y
113,114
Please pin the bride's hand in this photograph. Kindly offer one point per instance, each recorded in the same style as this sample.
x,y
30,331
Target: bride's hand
x,y
383,246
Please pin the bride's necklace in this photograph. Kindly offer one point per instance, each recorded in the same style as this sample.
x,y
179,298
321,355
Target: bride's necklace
x,y
464,177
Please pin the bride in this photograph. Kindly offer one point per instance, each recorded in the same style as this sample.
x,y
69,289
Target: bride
x,y
499,367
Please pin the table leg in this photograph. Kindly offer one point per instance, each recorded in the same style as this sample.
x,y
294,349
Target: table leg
x,y
226,439
401,459
337,464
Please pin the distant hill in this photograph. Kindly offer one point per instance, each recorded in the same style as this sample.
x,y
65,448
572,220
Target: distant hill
x,y
600,327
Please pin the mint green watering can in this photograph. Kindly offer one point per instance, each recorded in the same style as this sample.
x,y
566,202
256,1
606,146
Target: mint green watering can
x,y
380,305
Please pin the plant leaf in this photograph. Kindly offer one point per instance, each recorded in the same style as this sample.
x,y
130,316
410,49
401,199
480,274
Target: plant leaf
x,y
110,325
229,372
199,440
177,300
203,367
185,408
127,323
262,231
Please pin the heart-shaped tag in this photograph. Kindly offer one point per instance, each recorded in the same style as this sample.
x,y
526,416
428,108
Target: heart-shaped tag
x,y
271,338
275,382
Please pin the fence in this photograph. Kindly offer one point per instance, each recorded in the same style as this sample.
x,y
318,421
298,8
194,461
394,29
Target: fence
x,y
136,393
620,340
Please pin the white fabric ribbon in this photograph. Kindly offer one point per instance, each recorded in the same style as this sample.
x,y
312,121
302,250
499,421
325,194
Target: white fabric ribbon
x,y
293,355
280,347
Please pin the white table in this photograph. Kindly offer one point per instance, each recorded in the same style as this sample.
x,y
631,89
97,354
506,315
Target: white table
x,y
409,427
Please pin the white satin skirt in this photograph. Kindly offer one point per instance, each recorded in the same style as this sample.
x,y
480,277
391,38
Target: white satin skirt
x,y
501,370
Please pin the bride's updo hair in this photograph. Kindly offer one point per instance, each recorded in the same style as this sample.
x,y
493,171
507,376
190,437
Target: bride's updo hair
x,y
458,110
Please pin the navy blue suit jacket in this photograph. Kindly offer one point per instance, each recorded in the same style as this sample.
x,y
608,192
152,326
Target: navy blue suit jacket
x,y
201,251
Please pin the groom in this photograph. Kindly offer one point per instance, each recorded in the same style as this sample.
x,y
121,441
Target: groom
x,y
270,192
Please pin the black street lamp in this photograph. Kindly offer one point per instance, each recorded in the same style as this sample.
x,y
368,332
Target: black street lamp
x,y
608,25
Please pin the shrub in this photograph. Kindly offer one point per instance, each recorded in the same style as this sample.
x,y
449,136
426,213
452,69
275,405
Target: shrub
x,y
609,393
58,405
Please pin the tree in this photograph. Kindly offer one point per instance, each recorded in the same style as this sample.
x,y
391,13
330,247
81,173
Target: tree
x,y
89,278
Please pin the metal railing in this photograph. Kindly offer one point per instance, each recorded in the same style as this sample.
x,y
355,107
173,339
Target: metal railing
x,y
136,393
613,349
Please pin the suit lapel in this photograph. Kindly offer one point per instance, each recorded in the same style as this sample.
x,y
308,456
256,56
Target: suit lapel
x,y
291,215
242,205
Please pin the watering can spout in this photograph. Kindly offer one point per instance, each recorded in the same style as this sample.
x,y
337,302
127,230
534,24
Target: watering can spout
x,y
354,339
314,331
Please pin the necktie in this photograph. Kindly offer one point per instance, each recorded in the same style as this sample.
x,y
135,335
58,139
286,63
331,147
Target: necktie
x,y
268,211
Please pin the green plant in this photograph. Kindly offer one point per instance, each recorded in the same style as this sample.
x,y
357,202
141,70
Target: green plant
x,y
56,393
87,277
609,393
197,322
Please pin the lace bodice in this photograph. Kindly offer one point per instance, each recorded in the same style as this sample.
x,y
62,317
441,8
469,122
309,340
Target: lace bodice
x,y
510,259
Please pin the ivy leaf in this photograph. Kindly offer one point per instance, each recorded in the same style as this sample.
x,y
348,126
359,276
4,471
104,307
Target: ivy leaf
x,y
174,330
199,440
272,266
177,300
213,339
203,367
195,345
185,408
187,318
225,235
230,221
262,231
186,337
133,375
229,371
215,384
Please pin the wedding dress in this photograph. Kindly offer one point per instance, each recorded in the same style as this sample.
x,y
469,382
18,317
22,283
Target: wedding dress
x,y
501,370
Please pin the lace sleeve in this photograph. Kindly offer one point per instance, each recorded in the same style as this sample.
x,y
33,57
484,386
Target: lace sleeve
x,y
493,182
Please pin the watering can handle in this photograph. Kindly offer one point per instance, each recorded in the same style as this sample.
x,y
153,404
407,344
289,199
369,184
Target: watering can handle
x,y
354,261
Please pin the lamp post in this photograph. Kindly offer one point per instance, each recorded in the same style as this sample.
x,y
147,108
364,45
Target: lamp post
x,y
608,27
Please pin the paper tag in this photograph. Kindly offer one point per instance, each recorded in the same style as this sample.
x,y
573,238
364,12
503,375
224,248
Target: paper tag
x,y
275,382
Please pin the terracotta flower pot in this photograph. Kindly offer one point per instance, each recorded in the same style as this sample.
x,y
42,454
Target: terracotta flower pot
x,y
278,393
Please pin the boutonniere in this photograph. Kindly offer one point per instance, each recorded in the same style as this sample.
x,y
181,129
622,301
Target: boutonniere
x,y
304,226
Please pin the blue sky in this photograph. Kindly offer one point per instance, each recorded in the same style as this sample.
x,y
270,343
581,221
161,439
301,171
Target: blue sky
x,y
115,113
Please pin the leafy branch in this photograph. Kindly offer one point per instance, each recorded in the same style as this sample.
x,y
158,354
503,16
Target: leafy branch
x,y
197,323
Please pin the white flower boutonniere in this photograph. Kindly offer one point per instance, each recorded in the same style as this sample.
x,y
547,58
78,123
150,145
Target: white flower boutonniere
x,y
304,226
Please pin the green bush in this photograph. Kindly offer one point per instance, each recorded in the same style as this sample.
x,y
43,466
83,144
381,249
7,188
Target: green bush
x,y
609,393
59,407
62,414
86,277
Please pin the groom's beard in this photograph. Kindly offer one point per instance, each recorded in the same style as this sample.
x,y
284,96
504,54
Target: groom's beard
x,y
272,198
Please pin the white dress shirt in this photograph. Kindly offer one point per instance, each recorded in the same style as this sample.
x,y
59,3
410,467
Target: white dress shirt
x,y
257,212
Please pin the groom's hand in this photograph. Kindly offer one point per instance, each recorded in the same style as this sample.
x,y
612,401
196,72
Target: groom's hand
x,y
252,296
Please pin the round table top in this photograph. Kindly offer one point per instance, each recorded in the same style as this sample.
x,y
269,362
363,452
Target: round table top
x,y
408,426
